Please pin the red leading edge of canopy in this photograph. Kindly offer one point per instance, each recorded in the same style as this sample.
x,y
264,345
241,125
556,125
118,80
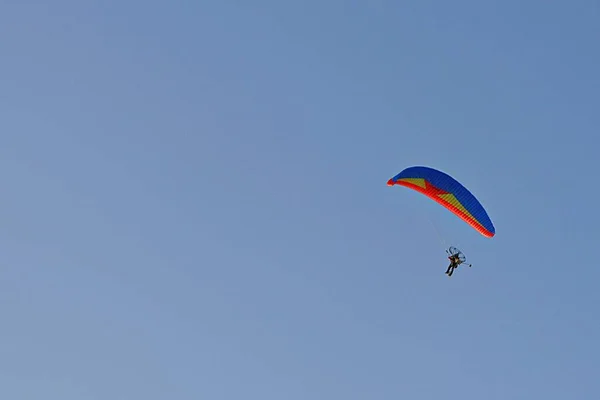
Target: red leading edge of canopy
x,y
432,192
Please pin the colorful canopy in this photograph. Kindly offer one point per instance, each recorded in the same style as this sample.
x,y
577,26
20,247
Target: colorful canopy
x,y
448,192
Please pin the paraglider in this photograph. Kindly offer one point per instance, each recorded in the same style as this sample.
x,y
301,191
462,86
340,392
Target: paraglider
x,y
456,258
452,195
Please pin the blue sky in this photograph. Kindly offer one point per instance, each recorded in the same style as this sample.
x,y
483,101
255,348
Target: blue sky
x,y
194,200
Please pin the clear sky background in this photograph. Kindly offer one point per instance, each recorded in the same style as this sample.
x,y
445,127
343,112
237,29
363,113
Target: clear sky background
x,y
194,200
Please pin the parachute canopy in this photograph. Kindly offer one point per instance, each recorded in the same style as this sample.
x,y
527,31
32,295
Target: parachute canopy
x,y
448,192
